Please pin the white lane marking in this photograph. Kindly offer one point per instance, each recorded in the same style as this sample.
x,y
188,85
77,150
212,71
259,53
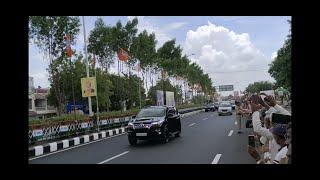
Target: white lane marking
x,y
72,147
205,119
235,123
216,159
192,124
230,133
113,157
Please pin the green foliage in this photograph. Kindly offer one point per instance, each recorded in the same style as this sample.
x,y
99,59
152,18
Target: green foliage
x,y
256,87
280,68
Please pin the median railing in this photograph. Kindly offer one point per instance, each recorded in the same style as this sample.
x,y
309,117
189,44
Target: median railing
x,y
46,130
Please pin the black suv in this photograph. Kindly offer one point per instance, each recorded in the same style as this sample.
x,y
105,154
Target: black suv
x,y
155,122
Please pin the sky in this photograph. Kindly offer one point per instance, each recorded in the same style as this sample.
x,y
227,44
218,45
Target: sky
x,y
233,50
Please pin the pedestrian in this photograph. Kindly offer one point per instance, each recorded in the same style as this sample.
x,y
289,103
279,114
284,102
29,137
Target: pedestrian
x,y
239,113
279,134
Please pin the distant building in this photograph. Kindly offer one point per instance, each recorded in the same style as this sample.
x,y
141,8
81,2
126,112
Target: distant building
x,y
38,104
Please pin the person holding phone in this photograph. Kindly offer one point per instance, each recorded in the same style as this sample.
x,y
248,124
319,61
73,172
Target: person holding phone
x,y
255,104
270,102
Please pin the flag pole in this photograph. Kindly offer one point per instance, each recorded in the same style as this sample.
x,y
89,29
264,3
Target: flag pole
x,y
139,86
87,64
95,74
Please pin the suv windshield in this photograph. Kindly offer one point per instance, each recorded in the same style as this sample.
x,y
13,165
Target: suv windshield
x,y
151,112
225,105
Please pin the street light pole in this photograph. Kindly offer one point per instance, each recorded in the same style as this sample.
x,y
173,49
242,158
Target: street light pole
x,y
87,64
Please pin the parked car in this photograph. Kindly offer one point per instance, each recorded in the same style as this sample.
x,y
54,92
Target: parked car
x,y
154,122
209,107
225,108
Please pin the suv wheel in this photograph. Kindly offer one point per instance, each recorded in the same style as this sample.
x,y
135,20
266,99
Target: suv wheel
x,y
166,134
177,134
132,141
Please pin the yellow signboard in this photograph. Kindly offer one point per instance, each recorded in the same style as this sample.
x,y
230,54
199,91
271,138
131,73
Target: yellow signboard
x,y
88,87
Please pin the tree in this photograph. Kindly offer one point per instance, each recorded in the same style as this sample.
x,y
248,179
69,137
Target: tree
x,y
48,33
76,70
280,68
256,87
101,42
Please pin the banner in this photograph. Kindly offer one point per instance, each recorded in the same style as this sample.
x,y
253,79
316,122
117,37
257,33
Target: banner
x,y
159,98
170,98
84,125
88,87
37,132
63,128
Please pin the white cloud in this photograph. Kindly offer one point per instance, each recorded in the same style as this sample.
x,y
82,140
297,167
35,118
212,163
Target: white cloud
x,y
161,33
274,55
218,49
173,26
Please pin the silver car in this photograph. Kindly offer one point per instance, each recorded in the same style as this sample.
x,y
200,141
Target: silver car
x,y
225,108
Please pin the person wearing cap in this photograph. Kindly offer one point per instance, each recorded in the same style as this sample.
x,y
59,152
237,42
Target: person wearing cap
x,y
279,134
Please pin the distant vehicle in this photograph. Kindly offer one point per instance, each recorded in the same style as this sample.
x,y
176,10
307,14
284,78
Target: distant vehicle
x,y
209,107
225,108
154,122
216,105
233,104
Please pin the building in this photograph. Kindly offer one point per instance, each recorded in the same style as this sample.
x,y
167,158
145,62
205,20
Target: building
x,y
38,104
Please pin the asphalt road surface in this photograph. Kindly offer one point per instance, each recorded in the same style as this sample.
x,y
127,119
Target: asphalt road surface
x,y
206,138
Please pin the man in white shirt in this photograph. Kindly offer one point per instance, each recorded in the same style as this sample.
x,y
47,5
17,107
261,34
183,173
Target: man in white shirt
x,y
256,105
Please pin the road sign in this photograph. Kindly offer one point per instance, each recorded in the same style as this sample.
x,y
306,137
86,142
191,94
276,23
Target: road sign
x,y
226,88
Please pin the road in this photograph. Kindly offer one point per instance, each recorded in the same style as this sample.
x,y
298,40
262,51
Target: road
x,y
206,138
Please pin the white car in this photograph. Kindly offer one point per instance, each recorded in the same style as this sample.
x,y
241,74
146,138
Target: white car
x,y
225,108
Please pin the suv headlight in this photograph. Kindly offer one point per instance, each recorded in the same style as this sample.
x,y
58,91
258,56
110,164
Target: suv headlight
x,y
130,125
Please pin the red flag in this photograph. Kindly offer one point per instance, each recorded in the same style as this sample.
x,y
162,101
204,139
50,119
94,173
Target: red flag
x,y
68,42
123,55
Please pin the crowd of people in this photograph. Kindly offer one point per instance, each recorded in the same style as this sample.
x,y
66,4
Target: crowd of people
x,y
272,136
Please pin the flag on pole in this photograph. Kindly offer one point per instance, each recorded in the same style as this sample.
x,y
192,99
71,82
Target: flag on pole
x,y
68,42
123,55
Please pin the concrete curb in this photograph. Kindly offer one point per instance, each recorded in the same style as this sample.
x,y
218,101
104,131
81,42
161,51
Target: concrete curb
x,y
63,144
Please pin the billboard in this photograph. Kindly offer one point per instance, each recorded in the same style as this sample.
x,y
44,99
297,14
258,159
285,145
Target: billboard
x,y
159,98
170,98
226,88
88,86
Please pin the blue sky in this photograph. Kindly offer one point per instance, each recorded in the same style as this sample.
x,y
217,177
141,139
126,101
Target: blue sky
x,y
266,34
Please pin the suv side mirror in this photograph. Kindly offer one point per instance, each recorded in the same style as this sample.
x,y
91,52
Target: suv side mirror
x,y
170,115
